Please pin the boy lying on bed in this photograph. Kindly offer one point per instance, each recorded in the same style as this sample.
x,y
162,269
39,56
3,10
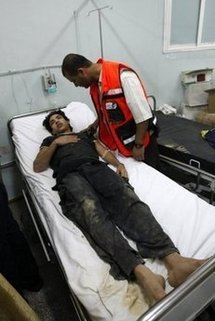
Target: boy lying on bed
x,y
99,201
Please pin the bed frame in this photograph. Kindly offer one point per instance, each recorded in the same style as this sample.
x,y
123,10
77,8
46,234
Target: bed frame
x,y
48,250
198,289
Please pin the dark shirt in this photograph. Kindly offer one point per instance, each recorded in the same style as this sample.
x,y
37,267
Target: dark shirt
x,y
69,157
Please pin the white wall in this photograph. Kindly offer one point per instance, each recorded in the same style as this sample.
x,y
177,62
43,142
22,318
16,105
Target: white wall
x,y
40,33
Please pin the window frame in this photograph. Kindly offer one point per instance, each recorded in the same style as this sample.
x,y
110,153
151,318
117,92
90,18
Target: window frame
x,y
168,47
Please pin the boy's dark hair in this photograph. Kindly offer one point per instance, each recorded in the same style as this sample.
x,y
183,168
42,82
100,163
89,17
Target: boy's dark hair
x,y
46,120
72,62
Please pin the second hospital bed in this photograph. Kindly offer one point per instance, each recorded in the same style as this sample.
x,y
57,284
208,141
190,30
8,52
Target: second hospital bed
x,y
188,220
181,146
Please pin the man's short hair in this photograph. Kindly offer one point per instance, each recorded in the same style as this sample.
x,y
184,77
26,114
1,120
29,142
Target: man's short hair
x,y
46,120
72,62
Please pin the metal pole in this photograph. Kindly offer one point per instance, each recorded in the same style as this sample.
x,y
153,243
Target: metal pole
x,y
100,25
100,32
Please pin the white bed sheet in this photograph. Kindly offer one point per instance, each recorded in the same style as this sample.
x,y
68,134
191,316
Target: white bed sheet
x,y
188,220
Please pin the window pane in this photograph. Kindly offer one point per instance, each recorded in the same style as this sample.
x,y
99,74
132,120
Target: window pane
x,y
185,15
208,34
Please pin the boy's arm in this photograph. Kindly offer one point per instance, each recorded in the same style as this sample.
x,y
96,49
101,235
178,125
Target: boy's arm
x,y
109,157
41,162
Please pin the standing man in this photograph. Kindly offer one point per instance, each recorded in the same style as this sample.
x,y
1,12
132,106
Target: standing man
x,y
125,119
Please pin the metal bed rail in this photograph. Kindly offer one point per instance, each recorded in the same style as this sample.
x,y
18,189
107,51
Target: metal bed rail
x,y
33,209
188,300
193,168
47,246
189,167
42,242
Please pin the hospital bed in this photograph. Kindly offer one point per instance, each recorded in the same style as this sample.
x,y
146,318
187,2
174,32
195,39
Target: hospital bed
x,y
189,221
182,147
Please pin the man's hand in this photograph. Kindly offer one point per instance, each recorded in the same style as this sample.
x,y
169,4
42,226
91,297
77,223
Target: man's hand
x,y
66,139
121,170
138,153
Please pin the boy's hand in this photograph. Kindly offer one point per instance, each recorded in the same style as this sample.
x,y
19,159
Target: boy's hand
x,y
121,170
67,139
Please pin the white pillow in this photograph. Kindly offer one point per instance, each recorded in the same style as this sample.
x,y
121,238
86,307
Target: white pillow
x,y
80,115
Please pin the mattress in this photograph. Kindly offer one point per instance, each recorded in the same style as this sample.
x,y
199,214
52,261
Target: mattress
x,y
188,220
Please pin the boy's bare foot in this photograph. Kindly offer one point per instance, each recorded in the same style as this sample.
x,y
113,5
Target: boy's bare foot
x,y
179,268
152,284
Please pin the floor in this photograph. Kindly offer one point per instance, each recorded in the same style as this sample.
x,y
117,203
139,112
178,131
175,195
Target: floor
x,y
52,302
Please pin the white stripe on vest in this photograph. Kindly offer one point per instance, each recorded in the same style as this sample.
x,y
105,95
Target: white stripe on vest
x,y
115,91
129,140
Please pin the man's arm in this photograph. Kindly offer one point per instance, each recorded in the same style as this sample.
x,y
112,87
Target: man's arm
x,y
109,157
139,107
141,129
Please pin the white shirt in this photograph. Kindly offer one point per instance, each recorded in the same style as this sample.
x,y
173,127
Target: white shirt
x,y
135,96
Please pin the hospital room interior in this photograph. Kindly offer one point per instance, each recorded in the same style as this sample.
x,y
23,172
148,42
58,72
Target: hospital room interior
x,y
48,269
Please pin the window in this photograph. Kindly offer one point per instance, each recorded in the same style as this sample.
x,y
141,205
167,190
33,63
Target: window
x,y
189,25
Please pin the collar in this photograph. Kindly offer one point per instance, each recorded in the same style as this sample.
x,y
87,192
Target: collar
x,y
100,81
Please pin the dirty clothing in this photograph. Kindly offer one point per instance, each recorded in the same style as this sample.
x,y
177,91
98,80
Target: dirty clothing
x,y
70,156
99,202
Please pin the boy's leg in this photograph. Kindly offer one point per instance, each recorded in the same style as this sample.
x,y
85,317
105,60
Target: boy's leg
x,y
80,204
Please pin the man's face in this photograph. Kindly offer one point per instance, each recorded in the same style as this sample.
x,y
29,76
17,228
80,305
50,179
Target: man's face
x,y
59,124
81,79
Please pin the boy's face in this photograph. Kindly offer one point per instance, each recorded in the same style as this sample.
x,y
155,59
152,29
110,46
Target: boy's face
x,y
59,124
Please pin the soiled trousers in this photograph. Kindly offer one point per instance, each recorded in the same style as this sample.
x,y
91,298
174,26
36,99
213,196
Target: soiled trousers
x,y
100,203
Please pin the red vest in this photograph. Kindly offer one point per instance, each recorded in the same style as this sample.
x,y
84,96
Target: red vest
x,y
117,128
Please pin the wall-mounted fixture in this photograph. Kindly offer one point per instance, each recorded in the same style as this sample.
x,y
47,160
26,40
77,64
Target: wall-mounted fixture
x,y
49,82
